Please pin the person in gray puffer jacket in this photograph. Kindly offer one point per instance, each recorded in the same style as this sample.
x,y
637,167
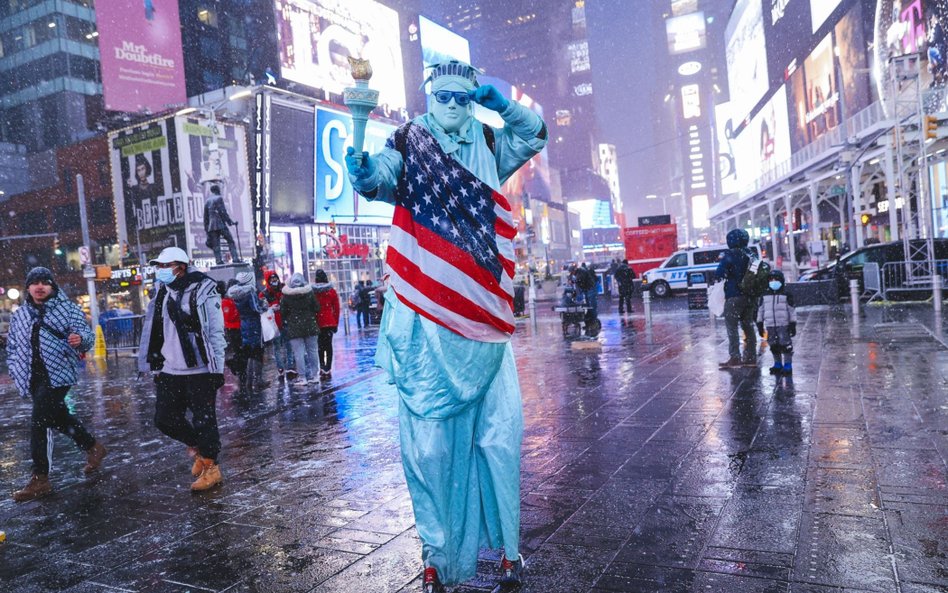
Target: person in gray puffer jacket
x,y
47,333
300,308
775,312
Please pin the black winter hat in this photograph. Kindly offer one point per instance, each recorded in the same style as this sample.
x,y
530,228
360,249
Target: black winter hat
x,y
40,274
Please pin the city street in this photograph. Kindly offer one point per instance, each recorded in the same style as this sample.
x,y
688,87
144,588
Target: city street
x,y
645,468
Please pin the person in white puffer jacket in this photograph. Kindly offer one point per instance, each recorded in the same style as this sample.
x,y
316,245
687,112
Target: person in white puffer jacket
x,y
775,312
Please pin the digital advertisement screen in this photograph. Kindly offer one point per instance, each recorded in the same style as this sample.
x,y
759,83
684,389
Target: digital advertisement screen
x,y
335,198
291,164
686,33
787,30
746,52
814,96
820,10
917,27
853,57
439,44
767,142
534,177
317,36
726,149
140,51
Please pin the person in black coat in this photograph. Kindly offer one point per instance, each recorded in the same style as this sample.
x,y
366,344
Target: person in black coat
x,y
625,280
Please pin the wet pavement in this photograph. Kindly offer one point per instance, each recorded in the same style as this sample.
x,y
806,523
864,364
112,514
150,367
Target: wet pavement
x,y
645,469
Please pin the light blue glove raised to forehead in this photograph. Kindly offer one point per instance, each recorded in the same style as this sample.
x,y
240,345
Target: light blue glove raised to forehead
x,y
489,97
363,170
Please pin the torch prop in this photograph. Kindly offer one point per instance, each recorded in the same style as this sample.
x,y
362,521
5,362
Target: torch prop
x,y
360,100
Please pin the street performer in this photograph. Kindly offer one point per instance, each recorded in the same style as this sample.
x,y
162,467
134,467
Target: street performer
x,y
445,332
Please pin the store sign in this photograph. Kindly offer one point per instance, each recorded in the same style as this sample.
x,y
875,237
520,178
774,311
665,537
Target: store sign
x,y
689,68
686,33
690,101
578,56
583,90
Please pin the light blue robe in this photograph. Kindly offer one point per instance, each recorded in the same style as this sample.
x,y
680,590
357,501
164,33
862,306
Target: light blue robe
x,y
460,414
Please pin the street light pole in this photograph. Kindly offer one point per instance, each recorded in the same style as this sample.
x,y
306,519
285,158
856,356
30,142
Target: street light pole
x,y
87,269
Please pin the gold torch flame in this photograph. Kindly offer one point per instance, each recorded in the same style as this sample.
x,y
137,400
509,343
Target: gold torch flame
x,y
361,69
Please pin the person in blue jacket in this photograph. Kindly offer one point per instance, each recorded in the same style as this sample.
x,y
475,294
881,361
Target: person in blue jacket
x,y
47,333
444,338
739,310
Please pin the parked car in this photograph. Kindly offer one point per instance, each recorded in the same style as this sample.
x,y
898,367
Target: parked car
x,y
850,265
672,275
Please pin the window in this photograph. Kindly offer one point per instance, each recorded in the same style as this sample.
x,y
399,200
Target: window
x,y
66,217
32,223
100,212
677,261
708,257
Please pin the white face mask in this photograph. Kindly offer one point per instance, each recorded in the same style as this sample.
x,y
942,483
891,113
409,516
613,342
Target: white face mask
x,y
164,275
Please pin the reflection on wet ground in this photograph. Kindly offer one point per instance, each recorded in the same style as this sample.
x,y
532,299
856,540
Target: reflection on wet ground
x,y
645,468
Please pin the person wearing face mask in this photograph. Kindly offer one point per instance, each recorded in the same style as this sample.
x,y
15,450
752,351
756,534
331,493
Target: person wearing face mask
x,y
183,344
775,312
444,338
46,336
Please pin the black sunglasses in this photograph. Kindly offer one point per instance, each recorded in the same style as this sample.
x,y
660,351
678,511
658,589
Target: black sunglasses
x,y
444,97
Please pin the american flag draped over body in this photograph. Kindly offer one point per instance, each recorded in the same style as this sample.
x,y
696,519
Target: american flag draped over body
x,y
450,251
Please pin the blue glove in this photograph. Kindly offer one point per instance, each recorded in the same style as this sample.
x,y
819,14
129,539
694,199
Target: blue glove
x,y
489,97
363,171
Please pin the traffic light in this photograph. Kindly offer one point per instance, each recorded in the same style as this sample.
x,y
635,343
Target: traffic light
x,y
57,249
865,218
931,127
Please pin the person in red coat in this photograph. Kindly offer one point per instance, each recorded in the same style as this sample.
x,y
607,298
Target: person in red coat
x,y
328,320
231,324
273,294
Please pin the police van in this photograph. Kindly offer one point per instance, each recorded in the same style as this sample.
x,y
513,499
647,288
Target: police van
x,y
672,275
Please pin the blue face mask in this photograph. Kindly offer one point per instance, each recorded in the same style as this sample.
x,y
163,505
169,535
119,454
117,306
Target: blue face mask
x,y
164,275
774,285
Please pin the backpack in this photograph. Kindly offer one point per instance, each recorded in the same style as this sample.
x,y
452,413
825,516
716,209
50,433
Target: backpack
x,y
754,282
585,279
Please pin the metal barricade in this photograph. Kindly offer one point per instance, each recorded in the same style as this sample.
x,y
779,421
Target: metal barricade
x,y
911,280
871,281
122,333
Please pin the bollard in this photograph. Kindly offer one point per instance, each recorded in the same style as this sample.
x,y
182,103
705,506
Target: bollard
x,y
937,284
647,306
98,350
854,296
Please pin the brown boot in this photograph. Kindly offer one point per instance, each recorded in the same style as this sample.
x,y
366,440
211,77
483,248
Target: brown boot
x,y
198,466
94,457
210,476
38,487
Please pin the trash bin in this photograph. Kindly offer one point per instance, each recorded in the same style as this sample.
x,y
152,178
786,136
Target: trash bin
x,y
698,290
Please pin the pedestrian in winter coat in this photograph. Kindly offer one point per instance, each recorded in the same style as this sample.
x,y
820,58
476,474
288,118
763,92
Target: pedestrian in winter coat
x,y
738,309
364,303
775,312
46,336
231,325
250,354
183,344
300,309
625,281
273,294
328,320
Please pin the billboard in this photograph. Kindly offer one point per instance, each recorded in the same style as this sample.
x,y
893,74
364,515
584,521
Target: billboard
x,y
439,44
317,36
728,165
686,33
149,211
820,10
227,168
291,156
534,177
335,198
917,27
814,96
140,52
746,57
764,144
787,31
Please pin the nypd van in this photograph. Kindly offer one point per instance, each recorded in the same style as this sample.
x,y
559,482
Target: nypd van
x,y
672,275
